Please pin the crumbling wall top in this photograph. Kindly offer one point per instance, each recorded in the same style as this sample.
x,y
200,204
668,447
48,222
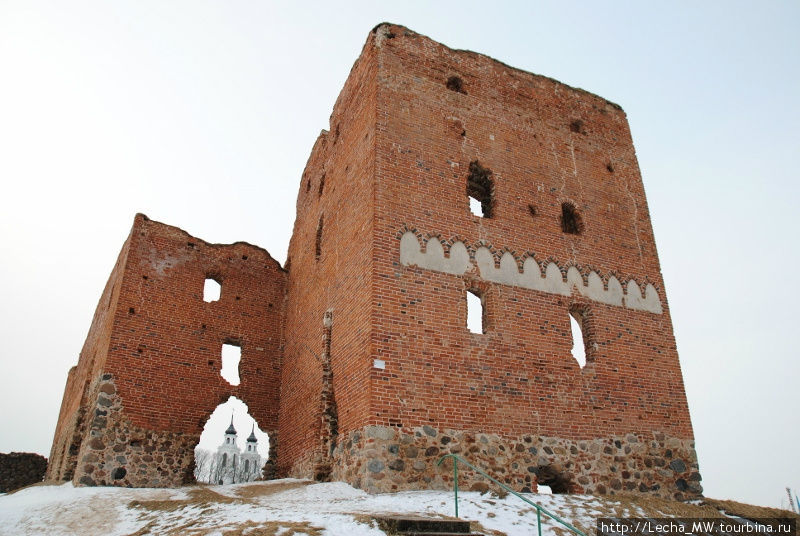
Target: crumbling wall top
x,y
388,31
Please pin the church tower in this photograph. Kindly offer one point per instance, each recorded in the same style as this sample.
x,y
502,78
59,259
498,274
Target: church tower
x,y
227,457
231,465
251,459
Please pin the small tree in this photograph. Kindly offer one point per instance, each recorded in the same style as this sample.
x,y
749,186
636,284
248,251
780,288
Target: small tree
x,y
203,460
216,471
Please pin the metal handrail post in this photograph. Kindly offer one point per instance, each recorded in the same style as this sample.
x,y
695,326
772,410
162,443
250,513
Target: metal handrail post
x,y
455,487
538,508
539,521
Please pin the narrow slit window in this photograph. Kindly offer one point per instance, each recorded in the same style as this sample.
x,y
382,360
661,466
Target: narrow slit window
x,y
480,190
231,357
318,242
475,314
211,290
578,346
571,222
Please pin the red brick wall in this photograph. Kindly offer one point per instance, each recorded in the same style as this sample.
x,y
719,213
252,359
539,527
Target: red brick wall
x,y
340,278
165,350
160,343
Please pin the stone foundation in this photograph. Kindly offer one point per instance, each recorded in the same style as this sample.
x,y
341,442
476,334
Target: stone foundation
x,y
116,453
382,459
270,469
63,458
307,466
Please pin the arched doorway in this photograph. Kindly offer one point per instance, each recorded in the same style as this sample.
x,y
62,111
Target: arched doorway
x,y
232,447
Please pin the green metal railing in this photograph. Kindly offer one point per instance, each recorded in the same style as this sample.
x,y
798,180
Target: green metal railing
x,y
539,509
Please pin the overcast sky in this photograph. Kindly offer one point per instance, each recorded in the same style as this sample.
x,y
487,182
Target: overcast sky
x,y
202,115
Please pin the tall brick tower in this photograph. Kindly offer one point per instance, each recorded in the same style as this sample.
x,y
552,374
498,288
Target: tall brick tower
x,y
381,375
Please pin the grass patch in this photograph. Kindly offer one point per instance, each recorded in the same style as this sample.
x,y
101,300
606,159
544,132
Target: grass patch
x,y
271,528
627,505
749,511
201,496
477,527
263,489
246,528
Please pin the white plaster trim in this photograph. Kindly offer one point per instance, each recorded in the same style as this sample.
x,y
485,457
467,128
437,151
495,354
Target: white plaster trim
x,y
531,276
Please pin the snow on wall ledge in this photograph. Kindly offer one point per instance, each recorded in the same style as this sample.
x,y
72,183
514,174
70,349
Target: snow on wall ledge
x,y
531,277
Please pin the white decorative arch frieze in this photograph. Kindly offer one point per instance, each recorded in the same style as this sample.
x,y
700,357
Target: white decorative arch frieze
x,y
551,281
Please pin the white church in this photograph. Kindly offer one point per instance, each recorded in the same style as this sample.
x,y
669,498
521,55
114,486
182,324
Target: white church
x,y
231,465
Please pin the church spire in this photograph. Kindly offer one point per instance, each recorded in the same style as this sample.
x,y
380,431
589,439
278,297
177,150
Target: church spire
x,y
252,438
231,429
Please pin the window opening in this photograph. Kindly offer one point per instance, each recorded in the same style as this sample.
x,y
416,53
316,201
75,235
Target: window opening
x,y
231,356
571,222
578,345
475,313
475,207
211,290
318,244
455,83
480,188
553,479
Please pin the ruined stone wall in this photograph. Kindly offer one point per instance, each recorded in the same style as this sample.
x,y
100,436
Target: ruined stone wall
x,y
360,358
329,265
147,403
20,469
549,148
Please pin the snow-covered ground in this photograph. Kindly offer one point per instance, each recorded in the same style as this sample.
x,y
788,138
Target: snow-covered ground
x,y
292,507
281,507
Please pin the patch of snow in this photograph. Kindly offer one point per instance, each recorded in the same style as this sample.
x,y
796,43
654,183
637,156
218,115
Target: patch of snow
x,y
328,492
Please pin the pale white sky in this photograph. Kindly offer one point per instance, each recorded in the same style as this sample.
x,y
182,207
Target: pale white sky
x,y
202,115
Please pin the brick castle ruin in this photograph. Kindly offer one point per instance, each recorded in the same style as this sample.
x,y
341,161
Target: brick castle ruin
x,y
356,357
